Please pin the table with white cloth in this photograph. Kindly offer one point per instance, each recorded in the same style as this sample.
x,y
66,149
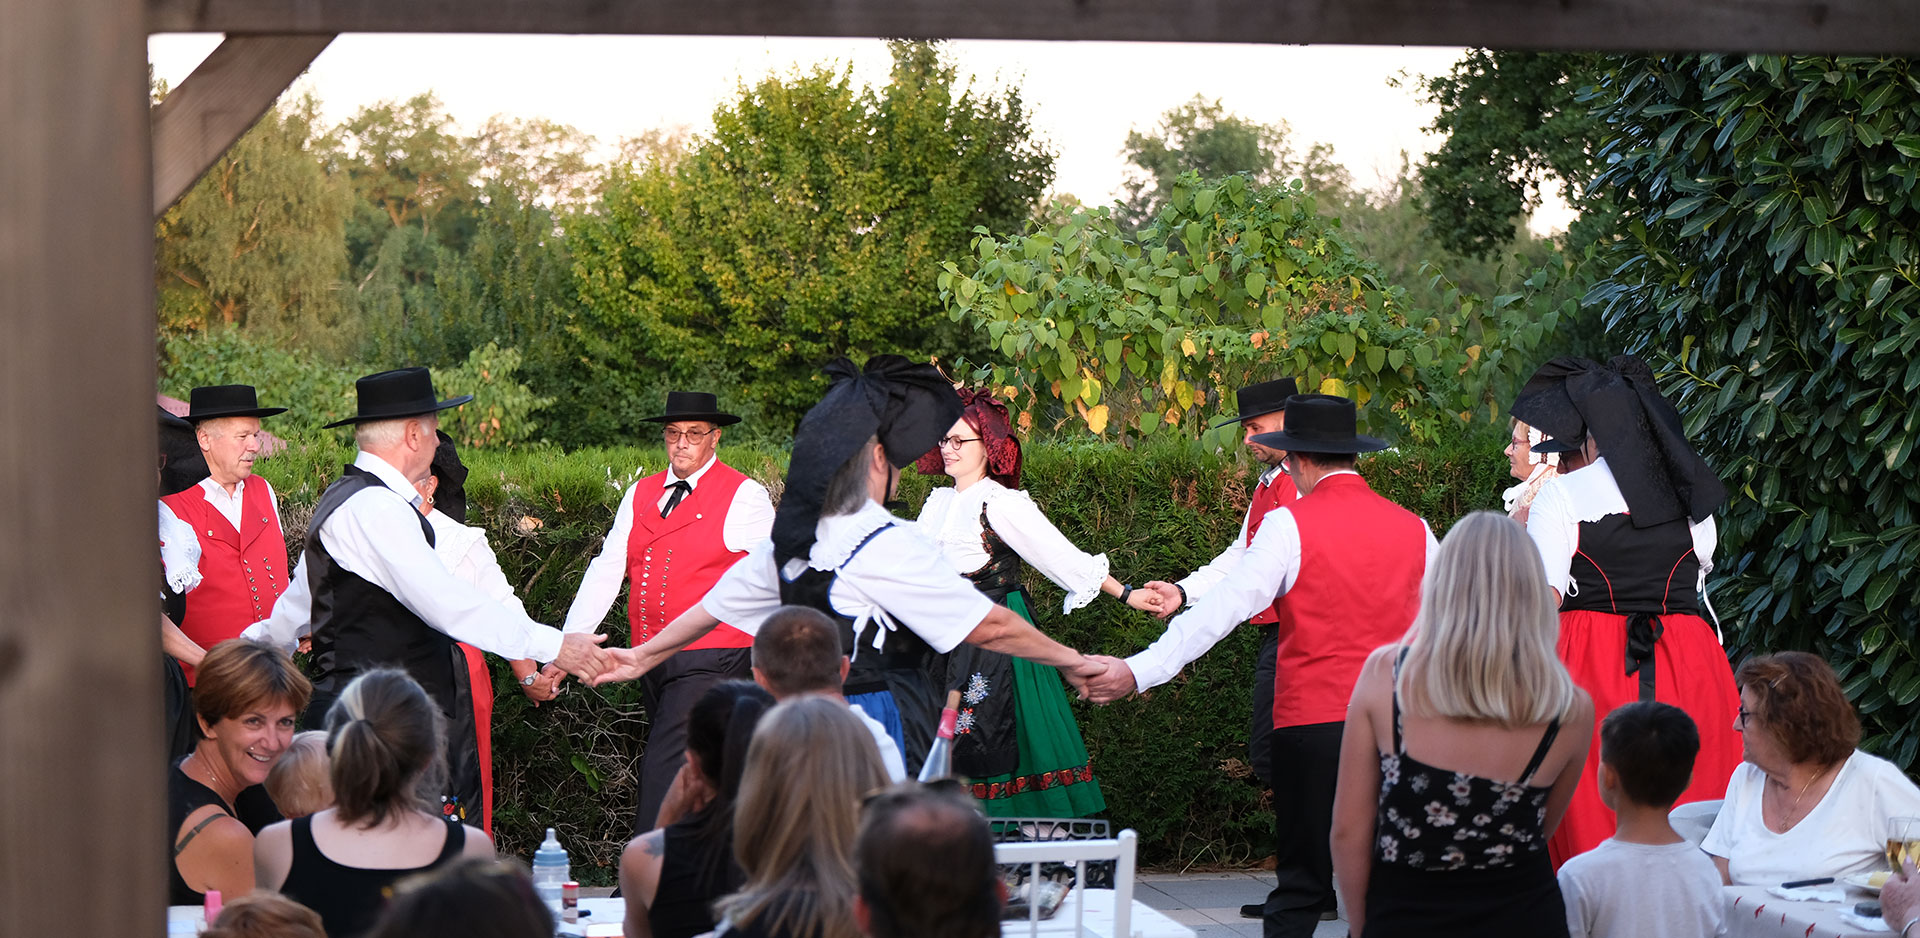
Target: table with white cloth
x,y
1753,912
1097,920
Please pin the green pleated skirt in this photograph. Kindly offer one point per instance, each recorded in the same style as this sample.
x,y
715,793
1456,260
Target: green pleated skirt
x,y
1054,777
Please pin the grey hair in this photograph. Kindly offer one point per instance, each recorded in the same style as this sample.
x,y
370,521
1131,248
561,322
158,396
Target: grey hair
x,y
847,491
377,435
1483,644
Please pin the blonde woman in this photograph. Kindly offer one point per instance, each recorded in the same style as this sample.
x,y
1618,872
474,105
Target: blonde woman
x,y
810,764
1462,748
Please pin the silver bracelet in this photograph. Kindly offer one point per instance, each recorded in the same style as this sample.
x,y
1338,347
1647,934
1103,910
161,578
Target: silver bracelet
x,y
1909,926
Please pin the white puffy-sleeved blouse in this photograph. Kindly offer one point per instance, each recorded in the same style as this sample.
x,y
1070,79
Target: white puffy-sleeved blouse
x,y
951,519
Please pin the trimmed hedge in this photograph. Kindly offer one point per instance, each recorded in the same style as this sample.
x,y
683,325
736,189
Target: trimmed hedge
x,y
1172,764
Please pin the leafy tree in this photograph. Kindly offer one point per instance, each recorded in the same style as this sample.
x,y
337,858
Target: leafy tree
x,y
257,242
1769,212
1202,137
810,224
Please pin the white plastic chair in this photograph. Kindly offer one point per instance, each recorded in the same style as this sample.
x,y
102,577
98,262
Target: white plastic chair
x,y
1119,849
1693,819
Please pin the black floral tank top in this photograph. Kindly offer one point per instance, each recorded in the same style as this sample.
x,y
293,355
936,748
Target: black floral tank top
x,y
1438,819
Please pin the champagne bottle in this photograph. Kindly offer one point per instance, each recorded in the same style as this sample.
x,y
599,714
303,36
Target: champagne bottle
x,y
939,762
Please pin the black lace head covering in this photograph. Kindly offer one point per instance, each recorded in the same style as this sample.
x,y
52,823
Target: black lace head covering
x,y
908,406
450,495
1639,433
186,465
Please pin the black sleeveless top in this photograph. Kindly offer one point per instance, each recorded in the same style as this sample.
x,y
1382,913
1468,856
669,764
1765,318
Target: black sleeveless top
x,y
348,898
683,902
186,795
1620,569
358,626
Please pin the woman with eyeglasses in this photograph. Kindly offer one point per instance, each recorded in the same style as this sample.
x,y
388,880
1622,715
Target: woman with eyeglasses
x,y
1805,802
1016,736
1533,469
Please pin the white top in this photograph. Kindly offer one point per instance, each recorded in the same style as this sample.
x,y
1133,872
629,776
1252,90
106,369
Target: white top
x,y
1200,581
179,551
1845,833
888,746
1623,890
465,551
1590,494
229,505
1265,572
898,579
749,521
951,519
375,534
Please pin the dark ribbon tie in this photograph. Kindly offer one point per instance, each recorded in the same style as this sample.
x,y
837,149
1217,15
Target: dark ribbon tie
x,y
1643,633
680,490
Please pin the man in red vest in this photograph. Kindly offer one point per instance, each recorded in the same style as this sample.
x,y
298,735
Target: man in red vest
x,y
1345,565
243,558
673,535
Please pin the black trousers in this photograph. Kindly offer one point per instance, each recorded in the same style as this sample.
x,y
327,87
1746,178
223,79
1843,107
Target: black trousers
x,y
1306,765
669,693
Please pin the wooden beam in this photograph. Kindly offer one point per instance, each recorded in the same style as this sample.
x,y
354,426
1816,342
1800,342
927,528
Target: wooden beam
x,y
197,122
80,752
1832,26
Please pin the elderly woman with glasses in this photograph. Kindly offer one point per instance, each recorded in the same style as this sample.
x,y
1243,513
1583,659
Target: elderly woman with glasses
x,y
1016,737
1805,803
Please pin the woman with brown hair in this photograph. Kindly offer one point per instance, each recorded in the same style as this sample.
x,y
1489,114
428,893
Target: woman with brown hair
x,y
794,826
1805,803
244,705
383,745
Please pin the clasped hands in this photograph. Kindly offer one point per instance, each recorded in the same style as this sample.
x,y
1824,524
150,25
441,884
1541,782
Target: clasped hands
x,y
1102,679
582,657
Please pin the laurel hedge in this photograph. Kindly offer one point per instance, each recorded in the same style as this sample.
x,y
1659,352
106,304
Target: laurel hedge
x,y
1172,764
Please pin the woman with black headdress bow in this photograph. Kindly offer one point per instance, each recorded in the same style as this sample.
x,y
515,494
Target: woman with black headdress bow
x,y
1016,737
1627,535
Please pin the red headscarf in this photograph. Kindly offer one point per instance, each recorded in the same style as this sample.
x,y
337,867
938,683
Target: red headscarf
x,y
988,417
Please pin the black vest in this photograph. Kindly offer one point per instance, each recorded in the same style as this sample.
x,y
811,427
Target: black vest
x,y
358,626
1620,569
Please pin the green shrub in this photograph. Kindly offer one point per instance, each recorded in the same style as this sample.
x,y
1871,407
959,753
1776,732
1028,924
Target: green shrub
x,y
1172,764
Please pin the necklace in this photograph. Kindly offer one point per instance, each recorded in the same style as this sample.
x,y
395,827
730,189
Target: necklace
x,y
1792,816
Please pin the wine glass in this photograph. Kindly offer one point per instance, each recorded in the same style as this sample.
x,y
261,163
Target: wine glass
x,y
1903,840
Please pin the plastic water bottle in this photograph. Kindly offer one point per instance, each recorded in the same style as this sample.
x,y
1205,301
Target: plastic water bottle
x,y
550,872
939,762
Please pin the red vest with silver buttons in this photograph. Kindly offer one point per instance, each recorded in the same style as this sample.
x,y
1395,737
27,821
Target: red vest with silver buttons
x,y
672,562
1277,492
242,572
1361,560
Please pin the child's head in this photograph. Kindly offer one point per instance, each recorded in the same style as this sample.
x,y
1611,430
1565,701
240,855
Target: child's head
x,y
1646,754
298,783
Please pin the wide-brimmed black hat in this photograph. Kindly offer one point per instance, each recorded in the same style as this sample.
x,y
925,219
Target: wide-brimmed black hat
x,y
403,392
226,400
1320,423
1258,400
693,405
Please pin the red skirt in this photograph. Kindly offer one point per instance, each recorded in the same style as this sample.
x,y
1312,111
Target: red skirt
x,y
1690,672
482,680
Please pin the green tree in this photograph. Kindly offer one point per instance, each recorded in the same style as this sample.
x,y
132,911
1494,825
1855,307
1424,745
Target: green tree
x,y
811,223
1202,137
1765,256
257,242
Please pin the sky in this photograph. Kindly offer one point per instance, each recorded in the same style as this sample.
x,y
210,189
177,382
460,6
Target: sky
x,y
1083,96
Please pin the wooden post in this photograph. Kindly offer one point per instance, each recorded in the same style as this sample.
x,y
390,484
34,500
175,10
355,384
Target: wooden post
x,y
80,752
198,121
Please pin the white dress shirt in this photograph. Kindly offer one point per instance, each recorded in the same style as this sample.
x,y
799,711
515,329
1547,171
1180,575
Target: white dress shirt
x,y
229,505
1197,583
375,534
465,551
1265,572
749,521
1590,494
898,580
951,519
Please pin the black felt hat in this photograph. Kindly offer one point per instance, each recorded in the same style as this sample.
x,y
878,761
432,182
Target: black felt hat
x,y
226,400
1320,423
693,405
403,392
1257,400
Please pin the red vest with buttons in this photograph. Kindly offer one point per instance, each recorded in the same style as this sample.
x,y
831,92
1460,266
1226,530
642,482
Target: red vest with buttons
x,y
242,572
1276,492
672,562
1361,560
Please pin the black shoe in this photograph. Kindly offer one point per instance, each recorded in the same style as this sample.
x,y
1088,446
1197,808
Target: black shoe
x,y
1254,910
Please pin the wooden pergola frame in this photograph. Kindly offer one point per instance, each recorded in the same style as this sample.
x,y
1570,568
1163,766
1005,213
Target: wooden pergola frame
x,y
85,167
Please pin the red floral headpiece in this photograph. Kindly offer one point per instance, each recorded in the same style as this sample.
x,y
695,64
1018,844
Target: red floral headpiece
x,y
988,417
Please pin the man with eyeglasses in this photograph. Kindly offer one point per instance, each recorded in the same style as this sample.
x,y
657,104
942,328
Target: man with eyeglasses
x,y
673,535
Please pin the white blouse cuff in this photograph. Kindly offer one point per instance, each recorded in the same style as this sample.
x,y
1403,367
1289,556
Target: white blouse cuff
x,y
1096,576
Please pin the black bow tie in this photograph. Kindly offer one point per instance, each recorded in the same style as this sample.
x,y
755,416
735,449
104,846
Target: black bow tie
x,y
680,490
